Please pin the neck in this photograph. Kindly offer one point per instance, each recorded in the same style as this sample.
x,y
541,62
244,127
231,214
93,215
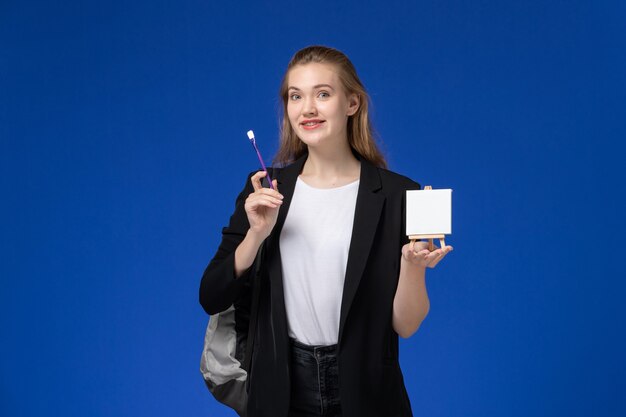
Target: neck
x,y
331,166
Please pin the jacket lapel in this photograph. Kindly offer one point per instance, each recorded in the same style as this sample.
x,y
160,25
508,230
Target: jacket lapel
x,y
369,206
286,179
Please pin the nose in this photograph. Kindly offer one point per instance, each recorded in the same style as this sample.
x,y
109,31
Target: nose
x,y
309,107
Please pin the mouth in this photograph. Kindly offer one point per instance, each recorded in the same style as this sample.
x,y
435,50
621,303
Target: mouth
x,y
311,124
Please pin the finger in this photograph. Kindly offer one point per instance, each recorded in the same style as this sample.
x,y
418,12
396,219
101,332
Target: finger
x,y
267,198
446,250
270,192
434,263
255,200
266,192
438,253
441,256
419,245
419,258
435,260
259,208
256,180
431,256
275,182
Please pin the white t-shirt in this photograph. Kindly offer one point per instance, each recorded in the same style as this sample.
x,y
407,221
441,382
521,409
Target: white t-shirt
x,y
314,244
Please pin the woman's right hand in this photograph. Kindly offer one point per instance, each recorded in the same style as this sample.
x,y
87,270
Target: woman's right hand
x,y
262,206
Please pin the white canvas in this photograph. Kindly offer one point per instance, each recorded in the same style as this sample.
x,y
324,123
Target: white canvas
x,y
429,212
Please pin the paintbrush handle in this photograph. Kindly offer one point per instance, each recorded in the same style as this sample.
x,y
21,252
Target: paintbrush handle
x,y
269,180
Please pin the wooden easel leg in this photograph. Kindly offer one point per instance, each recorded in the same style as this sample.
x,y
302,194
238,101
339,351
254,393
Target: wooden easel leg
x,y
430,238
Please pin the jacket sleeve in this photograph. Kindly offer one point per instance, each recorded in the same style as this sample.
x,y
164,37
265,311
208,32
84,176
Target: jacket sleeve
x,y
410,186
219,287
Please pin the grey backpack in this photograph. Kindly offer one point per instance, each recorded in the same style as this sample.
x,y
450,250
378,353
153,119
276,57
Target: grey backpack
x,y
228,342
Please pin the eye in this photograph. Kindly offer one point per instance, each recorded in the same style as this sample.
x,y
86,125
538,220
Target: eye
x,y
323,94
294,97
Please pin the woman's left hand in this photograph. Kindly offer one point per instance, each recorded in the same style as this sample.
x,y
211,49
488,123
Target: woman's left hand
x,y
417,253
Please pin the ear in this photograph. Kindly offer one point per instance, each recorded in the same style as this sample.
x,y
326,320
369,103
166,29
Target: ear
x,y
353,104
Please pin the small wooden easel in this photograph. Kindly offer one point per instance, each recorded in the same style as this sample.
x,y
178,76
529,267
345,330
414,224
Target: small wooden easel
x,y
431,245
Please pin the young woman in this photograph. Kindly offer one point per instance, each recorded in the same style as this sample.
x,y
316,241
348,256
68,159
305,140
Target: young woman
x,y
339,282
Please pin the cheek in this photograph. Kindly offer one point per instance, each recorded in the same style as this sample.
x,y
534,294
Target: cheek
x,y
336,111
292,112
292,116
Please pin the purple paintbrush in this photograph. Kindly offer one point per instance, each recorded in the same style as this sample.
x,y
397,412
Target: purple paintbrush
x,y
253,141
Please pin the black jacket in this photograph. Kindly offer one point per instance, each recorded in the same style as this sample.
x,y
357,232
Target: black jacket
x,y
370,380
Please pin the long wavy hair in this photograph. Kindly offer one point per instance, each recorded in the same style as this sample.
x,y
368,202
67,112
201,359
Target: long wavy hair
x,y
360,132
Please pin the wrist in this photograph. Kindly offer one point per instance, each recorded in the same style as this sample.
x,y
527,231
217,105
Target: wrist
x,y
254,237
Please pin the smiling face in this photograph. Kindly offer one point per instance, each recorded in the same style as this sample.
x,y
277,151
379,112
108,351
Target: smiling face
x,y
318,106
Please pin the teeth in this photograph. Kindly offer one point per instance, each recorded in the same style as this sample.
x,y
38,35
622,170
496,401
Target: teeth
x,y
310,123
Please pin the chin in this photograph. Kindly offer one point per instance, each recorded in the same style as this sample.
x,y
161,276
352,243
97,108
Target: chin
x,y
311,138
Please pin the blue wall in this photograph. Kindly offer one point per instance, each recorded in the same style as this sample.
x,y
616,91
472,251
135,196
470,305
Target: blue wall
x,y
123,146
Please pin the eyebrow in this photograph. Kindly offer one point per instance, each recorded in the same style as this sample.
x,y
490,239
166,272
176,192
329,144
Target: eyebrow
x,y
315,87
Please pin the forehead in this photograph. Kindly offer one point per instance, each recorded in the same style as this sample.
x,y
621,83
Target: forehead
x,y
308,75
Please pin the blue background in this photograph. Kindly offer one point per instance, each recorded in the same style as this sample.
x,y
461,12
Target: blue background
x,y
123,145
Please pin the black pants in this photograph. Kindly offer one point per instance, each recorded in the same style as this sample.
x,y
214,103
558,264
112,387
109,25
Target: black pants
x,y
314,381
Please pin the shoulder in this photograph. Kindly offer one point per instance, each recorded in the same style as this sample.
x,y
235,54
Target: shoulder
x,y
392,181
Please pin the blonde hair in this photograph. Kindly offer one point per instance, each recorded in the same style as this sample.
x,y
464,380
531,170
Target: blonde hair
x,y
360,132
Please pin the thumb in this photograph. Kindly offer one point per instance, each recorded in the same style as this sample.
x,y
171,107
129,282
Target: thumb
x,y
275,183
